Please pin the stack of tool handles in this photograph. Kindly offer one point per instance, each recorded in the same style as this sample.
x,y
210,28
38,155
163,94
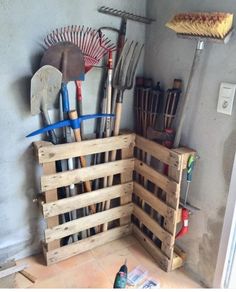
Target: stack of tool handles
x,y
71,52
154,110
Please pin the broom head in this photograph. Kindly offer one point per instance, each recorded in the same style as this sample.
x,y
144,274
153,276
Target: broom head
x,y
202,24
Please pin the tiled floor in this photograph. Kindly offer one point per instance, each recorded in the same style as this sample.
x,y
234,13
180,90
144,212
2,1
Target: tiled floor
x,y
97,268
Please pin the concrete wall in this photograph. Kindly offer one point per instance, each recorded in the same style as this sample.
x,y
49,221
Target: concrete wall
x,y
24,24
212,134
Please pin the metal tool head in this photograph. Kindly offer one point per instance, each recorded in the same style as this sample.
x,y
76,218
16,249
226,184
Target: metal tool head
x,y
44,89
125,15
67,58
126,66
192,209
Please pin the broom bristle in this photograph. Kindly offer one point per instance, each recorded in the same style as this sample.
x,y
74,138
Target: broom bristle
x,y
214,24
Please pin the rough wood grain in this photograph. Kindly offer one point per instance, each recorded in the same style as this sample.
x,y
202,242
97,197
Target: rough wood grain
x,y
87,222
65,178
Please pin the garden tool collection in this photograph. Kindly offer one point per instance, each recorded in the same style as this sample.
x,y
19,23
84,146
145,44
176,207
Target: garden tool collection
x,y
166,135
93,45
148,101
124,15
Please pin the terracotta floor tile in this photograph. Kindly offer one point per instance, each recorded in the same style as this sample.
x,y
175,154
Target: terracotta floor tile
x,y
143,257
22,282
38,268
113,246
53,282
98,268
87,275
75,261
112,262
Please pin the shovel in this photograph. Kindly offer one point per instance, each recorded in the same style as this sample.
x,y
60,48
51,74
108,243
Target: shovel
x,y
44,95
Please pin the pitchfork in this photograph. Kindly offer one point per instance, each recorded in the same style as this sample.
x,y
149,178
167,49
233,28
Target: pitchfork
x,y
123,79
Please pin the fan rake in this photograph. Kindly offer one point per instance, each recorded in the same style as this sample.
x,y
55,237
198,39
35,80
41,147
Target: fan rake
x,y
87,39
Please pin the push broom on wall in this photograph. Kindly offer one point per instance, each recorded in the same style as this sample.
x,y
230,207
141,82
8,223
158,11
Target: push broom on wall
x,y
203,27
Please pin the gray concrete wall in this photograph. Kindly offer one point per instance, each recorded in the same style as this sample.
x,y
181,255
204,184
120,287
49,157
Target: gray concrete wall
x,y
24,24
212,134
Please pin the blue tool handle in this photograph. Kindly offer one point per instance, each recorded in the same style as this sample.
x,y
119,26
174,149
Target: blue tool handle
x,y
65,98
57,125
74,124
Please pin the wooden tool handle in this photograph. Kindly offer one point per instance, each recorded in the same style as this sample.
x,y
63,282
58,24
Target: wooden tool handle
x,y
73,116
117,119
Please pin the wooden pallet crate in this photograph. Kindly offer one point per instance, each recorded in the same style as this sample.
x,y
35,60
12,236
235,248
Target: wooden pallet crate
x,y
125,211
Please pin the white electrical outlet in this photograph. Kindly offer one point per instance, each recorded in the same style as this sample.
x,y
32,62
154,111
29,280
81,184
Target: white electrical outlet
x,y
226,98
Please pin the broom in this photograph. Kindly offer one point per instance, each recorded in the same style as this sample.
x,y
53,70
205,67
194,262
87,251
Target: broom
x,y
213,27
202,26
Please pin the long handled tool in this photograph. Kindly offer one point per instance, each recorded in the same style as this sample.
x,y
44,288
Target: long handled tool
x,y
44,93
124,15
202,27
69,59
123,80
74,122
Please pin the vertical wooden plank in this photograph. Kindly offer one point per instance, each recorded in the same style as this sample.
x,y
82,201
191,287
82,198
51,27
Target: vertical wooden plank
x,y
126,177
51,196
173,202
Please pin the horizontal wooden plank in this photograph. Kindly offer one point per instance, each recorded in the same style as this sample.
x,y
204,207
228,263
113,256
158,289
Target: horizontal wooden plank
x,y
64,151
154,202
185,153
177,262
12,270
154,227
165,183
61,179
158,151
161,259
83,200
89,243
87,222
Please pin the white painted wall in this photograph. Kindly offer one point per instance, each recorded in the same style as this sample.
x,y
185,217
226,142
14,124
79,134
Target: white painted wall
x,y
24,24
213,135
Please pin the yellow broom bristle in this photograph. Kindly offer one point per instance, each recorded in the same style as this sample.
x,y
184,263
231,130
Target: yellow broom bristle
x,y
214,24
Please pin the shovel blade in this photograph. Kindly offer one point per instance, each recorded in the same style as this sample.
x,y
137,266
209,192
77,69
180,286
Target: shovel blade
x,y
66,57
45,89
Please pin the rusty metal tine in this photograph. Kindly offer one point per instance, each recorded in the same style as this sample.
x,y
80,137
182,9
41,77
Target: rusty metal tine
x,y
134,64
115,80
130,64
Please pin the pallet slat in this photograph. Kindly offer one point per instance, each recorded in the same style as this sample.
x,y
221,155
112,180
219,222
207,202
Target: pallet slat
x,y
166,184
161,259
154,202
49,182
65,151
86,244
158,151
154,227
86,199
167,206
87,222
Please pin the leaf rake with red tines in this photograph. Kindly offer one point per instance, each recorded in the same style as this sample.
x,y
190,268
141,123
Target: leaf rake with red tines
x,y
87,39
